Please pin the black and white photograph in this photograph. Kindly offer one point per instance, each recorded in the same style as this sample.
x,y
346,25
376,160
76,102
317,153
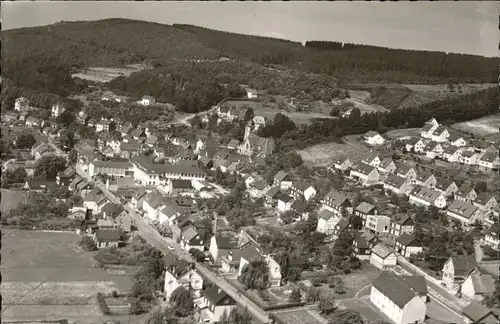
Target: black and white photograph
x,y
263,162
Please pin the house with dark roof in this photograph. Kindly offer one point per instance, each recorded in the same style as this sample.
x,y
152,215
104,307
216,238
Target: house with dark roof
x,y
65,177
95,200
302,190
426,179
284,202
220,246
465,193
386,166
407,171
341,163
491,237
464,212
176,187
181,273
105,238
477,313
373,138
362,243
258,188
457,140
428,129
486,202
343,225
214,303
456,270
397,184
427,197
193,238
271,196
415,144
477,286
383,256
434,150
38,185
248,255
397,299
302,209
401,223
406,245
469,157
447,187
373,160
452,154
283,180
230,263
138,198
364,209
327,221
337,202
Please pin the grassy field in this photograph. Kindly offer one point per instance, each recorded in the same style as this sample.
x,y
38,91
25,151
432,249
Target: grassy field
x,y
367,310
402,133
323,154
103,74
45,275
11,199
481,127
300,316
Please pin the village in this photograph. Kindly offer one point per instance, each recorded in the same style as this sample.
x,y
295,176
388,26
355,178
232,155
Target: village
x,y
133,178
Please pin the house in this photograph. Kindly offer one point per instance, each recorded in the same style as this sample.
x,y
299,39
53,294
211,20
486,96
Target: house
x,y
105,125
33,122
364,209
149,173
301,189
362,244
373,138
393,297
284,202
214,304
434,150
271,196
365,173
327,222
457,140
57,110
256,145
230,263
258,188
220,246
112,211
181,273
397,184
138,198
64,178
383,256
105,238
233,144
481,147
447,187
110,168
387,165
176,187
283,180
469,157
477,313
427,197
248,254
415,144
21,104
252,94
428,129
341,163
378,224
492,238
274,271
456,270
192,238
490,160
138,134
465,193
476,286
147,100
486,202
42,150
464,212
342,226
401,223
10,116
406,245
337,202
426,179
259,121
407,171
452,154
372,160
440,134
168,215
302,209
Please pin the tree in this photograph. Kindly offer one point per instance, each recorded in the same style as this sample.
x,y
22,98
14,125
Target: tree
x,y
66,118
346,316
49,166
25,141
494,299
249,114
196,121
255,275
87,243
327,306
73,156
10,177
236,316
67,140
292,160
295,296
181,301
481,186
197,255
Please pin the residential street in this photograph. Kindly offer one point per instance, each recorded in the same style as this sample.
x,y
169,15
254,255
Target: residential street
x,y
161,243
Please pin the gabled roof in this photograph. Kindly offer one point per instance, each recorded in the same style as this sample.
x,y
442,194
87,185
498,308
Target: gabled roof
x,y
404,168
382,250
371,134
461,208
425,193
225,242
483,198
477,313
424,175
281,175
250,253
394,288
395,181
462,266
407,240
433,145
469,154
340,159
285,198
416,283
414,140
325,214
489,156
403,219
385,163
169,211
300,206
450,150
464,190
112,209
454,137
107,235
444,183
427,127
217,296
181,184
190,233
365,207
440,130
272,192
482,283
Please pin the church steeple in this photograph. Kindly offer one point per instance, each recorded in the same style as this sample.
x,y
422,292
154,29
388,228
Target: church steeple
x,y
248,130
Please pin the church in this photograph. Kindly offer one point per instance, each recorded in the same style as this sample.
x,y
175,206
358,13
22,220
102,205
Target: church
x,y
254,145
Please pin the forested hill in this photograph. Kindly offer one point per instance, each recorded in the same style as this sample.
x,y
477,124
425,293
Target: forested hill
x,y
42,57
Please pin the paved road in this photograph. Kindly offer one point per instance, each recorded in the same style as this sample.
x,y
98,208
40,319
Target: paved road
x,y
161,243
185,120
478,251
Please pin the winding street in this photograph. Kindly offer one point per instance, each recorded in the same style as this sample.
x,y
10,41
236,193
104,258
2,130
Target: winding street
x,y
161,243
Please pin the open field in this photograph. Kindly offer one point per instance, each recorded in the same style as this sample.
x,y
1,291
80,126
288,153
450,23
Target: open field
x,y
104,74
367,310
323,154
300,316
270,109
11,199
438,314
47,276
481,127
402,133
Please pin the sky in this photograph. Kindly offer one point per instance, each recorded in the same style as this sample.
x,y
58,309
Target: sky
x,y
460,27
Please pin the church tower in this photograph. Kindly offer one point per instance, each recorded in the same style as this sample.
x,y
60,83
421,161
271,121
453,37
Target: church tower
x,y
248,131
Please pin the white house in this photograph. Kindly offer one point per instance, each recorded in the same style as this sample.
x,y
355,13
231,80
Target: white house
x,y
387,165
486,202
491,237
104,125
365,173
447,187
301,189
464,212
182,274
440,134
284,203
427,197
469,157
326,222
337,202
373,138
252,94
457,140
248,255
383,256
147,100
214,303
372,160
397,300
341,163
434,150
476,286
407,171
21,104
490,160
57,110
475,313
426,179
429,128
465,193
452,154
258,122
282,180
397,184
456,270
416,144
274,271
407,244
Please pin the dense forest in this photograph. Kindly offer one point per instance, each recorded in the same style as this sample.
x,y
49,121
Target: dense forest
x,y
42,58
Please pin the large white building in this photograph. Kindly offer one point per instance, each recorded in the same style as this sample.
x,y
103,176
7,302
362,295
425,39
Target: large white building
x,y
110,168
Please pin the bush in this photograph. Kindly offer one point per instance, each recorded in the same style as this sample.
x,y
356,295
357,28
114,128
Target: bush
x,y
102,304
87,243
114,294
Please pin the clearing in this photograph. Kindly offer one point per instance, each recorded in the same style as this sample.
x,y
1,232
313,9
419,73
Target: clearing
x,y
11,199
323,154
47,276
367,310
403,133
300,316
106,74
481,127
